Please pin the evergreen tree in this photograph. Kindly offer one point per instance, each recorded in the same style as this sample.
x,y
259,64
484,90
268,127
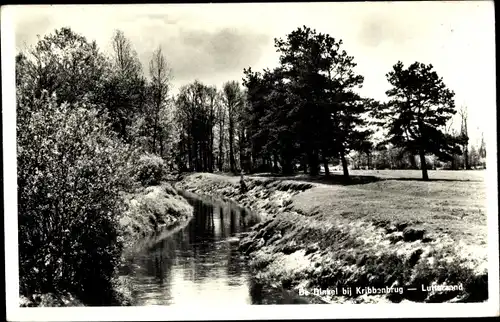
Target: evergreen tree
x,y
419,107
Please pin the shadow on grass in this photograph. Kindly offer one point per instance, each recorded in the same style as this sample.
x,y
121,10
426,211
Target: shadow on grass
x,y
339,179
332,179
432,179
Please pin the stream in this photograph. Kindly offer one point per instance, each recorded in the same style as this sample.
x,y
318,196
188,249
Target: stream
x,y
200,264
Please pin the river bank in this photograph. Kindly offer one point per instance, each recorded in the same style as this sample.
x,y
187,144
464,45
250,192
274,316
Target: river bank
x,y
150,210
387,237
149,214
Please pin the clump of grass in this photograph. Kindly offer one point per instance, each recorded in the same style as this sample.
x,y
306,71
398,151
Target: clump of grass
x,y
262,261
451,270
169,190
291,185
393,269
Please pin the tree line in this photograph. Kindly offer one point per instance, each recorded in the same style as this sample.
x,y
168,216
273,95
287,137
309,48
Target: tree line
x,y
306,114
300,116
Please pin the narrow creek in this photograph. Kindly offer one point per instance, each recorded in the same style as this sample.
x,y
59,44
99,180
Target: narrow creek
x,y
200,263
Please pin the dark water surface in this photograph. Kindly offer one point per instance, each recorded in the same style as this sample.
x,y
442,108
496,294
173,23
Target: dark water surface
x,y
200,263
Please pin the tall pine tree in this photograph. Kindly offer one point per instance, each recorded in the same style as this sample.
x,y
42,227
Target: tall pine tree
x,y
420,105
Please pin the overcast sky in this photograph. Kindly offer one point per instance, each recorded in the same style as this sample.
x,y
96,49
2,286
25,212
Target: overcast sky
x,y
214,42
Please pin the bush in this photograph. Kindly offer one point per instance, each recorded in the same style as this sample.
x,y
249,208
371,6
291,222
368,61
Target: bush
x,y
70,172
150,169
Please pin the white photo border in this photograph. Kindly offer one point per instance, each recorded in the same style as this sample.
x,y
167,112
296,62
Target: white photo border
x,y
244,312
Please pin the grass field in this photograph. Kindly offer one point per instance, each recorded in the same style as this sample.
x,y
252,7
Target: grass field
x,y
462,175
383,228
452,206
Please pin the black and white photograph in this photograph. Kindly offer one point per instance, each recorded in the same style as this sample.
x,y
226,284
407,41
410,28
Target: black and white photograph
x,y
250,160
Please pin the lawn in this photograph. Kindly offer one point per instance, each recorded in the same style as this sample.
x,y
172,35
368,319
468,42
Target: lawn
x,y
451,208
462,175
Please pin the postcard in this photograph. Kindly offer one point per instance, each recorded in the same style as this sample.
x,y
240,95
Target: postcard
x,y
250,161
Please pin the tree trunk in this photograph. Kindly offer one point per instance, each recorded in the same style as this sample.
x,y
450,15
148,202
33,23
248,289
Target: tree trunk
x,y
275,163
190,153
155,131
466,158
268,164
221,154
232,161
325,165
313,163
211,144
286,161
203,154
423,166
240,146
161,146
198,156
413,163
211,169
287,168
123,129
251,161
344,165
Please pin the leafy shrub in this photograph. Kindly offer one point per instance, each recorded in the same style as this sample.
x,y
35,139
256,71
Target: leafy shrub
x,y
70,171
150,169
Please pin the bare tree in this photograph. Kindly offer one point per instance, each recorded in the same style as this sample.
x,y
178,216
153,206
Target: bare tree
x,y
213,102
124,56
482,147
125,86
464,136
481,153
234,101
221,122
160,84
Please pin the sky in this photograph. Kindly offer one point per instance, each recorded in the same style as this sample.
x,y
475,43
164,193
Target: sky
x,y
214,42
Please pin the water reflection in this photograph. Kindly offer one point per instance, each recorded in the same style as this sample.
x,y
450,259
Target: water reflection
x,y
199,263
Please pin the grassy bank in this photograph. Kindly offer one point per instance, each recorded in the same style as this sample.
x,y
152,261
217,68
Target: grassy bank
x,y
395,232
150,212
